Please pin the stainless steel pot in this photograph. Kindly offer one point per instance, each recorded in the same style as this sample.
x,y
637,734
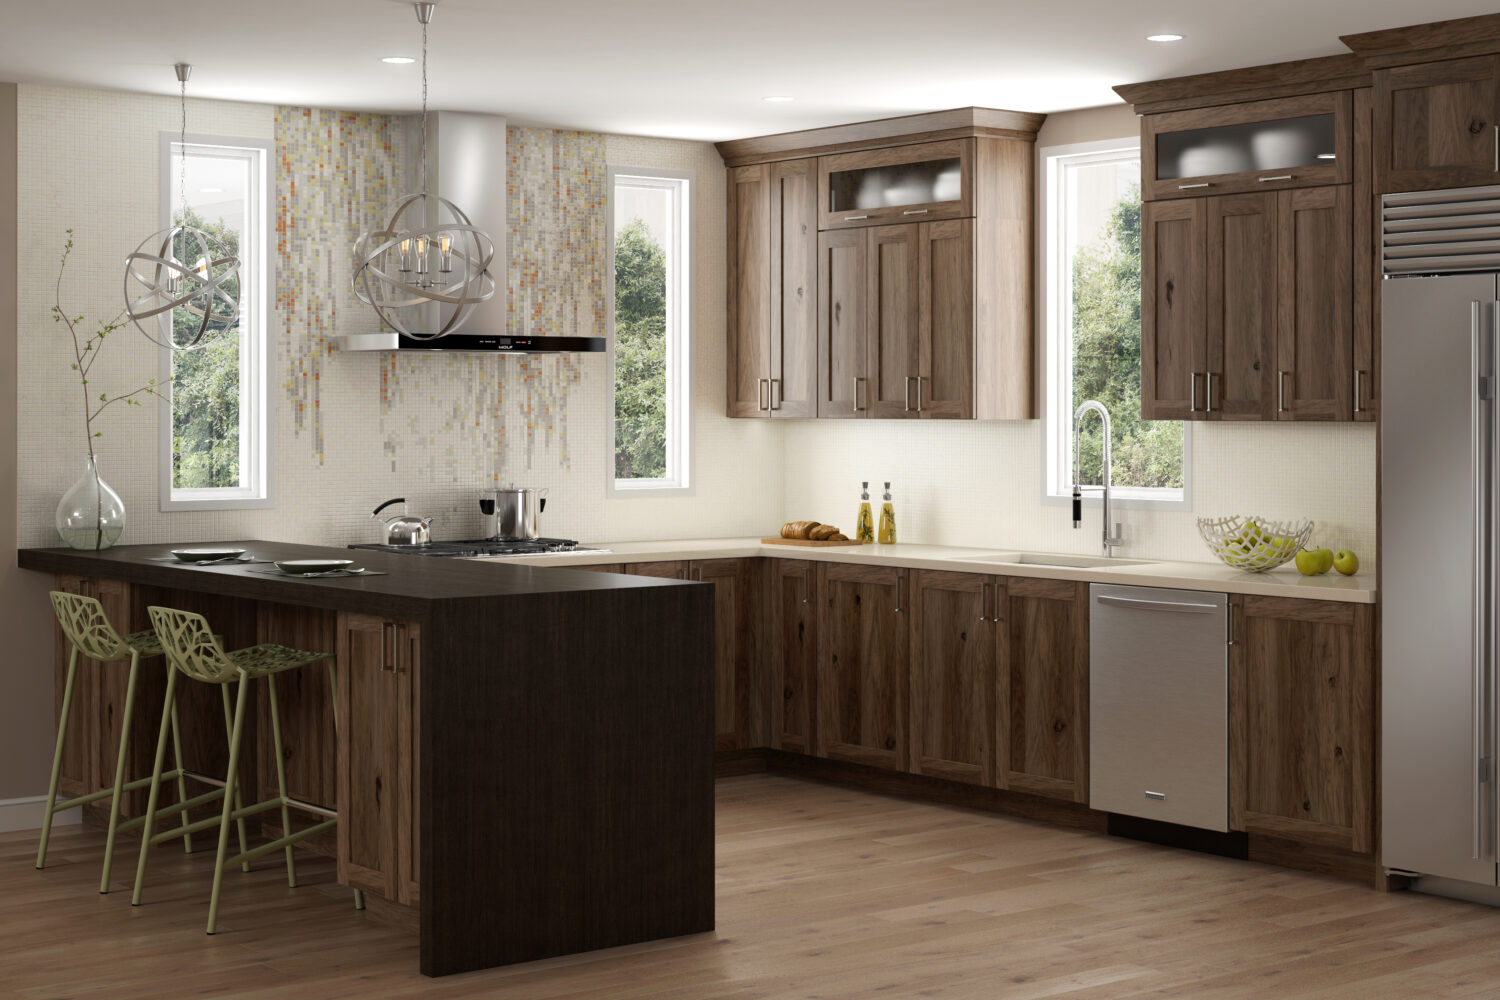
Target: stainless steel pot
x,y
404,530
513,511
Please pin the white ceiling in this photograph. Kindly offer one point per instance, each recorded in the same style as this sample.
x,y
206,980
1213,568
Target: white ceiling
x,y
688,68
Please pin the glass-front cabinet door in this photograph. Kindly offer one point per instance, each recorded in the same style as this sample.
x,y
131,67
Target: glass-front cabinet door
x,y
918,183
1255,146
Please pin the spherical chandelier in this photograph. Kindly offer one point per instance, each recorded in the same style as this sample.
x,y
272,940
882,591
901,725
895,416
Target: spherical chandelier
x,y
158,281
427,252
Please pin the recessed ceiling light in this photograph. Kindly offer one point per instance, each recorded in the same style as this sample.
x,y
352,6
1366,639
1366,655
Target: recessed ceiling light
x,y
1167,37
777,99
397,60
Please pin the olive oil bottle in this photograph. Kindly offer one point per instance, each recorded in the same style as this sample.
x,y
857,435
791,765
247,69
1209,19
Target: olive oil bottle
x,y
887,518
864,528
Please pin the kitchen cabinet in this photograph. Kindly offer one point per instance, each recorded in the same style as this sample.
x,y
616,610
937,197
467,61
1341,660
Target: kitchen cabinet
x,y
1302,721
1247,146
862,665
927,180
1043,693
772,274
892,344
603,568
843,382
672,569
794,655
1367,266
734,647
1247,306
955,645
379,736
1437,125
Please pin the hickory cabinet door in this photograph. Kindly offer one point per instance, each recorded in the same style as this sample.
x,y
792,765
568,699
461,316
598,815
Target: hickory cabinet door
x,y
1437,125
954,648
862,665
1173,345
794,654
748,360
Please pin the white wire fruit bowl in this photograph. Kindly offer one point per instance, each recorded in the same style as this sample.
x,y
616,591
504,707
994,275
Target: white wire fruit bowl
x,y
1254,544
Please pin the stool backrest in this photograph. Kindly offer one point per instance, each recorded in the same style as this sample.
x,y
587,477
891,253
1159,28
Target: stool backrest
x,y
190,646
84,623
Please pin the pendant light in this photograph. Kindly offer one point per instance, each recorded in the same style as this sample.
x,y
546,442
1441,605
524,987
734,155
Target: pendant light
x,y
159,280
427,254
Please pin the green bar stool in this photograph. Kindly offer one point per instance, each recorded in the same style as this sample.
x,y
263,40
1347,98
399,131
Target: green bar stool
x,y
193,651
90,634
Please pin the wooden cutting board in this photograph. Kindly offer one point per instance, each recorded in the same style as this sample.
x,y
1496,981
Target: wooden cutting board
x,y
809,542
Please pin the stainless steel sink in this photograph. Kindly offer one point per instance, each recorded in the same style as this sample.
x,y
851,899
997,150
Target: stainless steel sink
x,y
1055,560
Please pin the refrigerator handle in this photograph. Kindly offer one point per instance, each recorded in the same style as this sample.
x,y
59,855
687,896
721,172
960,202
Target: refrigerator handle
x,y
1479,444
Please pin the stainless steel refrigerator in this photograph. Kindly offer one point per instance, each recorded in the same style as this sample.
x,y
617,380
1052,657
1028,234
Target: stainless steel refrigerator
x,y
1440,324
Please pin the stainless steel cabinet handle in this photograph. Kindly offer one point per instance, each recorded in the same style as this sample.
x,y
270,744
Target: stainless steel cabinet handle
x,y
762,387
900,591
807,585
1188,187
1185,607
1278,177
1193,393
907,400
857,381
1357,392
854,218
775,393
919,393
1281,391
984,602
915,211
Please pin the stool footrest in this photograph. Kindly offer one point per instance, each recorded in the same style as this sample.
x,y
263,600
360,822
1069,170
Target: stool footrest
x,y
280,843
173,810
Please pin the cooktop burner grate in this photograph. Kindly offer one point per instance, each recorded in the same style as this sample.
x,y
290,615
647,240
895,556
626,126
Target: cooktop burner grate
x,y
481,547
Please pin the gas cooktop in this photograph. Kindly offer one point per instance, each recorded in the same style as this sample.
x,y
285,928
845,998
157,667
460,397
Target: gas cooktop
x,y
483,547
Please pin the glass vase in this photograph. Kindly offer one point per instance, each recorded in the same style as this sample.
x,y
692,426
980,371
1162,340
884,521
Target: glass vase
x,y
90,515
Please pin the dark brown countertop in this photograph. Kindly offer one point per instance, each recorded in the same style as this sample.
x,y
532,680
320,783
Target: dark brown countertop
x,y
412,585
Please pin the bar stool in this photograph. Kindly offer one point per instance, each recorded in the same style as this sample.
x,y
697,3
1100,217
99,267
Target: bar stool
x,y
193,651
90,634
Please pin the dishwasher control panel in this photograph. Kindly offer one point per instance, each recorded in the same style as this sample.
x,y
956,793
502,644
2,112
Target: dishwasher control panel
x,y
1159,704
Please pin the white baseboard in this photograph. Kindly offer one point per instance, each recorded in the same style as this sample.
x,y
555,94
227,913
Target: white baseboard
x,y
26,814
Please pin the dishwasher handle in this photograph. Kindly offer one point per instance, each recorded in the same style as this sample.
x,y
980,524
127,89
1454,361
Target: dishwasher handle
x,y
1137,603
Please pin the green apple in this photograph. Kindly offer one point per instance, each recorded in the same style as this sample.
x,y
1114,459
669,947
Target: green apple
x,y
1346,562
1325,560
1308,562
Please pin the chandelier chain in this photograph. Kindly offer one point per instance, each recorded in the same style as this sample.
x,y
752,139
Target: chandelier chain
x,y
182,147
422,151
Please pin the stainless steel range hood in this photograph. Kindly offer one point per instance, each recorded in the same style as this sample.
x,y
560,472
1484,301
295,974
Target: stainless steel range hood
x,y
466,164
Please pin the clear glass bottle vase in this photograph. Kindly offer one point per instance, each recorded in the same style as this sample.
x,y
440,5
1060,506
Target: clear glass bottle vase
x,y
91,514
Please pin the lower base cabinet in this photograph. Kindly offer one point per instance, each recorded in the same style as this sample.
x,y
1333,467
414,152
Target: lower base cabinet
x,y
1043,694
955,647
379,734
862,665
793,648
1302,721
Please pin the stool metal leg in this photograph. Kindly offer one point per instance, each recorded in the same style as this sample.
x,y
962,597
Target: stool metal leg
x,y
187,838
333,688
62,735
286,814
114,802
168,709
238,799
230,798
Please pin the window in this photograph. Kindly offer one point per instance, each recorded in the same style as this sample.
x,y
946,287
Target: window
x,y
1092,194
215,434
650,309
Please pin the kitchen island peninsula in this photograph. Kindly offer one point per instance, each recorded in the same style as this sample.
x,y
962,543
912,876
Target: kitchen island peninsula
x,y
525,754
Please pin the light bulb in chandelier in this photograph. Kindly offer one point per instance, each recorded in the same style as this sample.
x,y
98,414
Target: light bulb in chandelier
x,y
426,253
160,289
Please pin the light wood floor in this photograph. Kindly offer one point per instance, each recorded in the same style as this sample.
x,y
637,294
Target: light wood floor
x,y
822,892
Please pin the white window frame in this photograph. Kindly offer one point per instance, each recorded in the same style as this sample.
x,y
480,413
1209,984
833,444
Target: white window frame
x,y
1057,459
680,425
257,279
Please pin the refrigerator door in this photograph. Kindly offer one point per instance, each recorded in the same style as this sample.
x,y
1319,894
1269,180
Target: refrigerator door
x,y
1436,564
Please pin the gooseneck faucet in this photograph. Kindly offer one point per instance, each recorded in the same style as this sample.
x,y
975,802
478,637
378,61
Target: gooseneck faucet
x,y
1110,540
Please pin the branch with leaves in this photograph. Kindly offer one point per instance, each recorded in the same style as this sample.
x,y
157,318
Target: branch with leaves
x,y
86,354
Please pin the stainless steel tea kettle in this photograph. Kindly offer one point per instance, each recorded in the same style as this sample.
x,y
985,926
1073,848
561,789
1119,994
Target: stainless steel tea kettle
x,y
404,530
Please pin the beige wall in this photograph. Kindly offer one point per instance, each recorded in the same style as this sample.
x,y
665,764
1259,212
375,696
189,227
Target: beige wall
x,y
26,674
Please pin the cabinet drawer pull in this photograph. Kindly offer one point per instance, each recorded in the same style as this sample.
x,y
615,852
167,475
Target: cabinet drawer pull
x,y
857,381
854,218
906,401
762,385
915,211
1189,187
984,602
1278,177
1358,375
807,585
919,392
900,591
775,393
1193,392
1281,391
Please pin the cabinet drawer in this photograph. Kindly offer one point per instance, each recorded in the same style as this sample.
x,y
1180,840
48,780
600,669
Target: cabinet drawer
x,y
916,183
1254,146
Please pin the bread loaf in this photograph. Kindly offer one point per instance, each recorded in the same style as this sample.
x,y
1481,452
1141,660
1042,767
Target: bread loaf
x,y
823,532
838,536
799,529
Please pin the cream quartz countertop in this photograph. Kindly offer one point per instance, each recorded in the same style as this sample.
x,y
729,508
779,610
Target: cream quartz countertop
x,y
1208,576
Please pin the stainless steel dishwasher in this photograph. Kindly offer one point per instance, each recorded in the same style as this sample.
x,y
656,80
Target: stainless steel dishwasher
x,y
1159,704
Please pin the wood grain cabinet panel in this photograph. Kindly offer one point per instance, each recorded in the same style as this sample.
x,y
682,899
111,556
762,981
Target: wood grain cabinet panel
x,y
1302,721
794,655
664,570
892,299
1437,125
1315,332
843,265
1042,704
954,649
378,791
748,361
733,648
862,665
904,194
1240,342
945,331
1173,342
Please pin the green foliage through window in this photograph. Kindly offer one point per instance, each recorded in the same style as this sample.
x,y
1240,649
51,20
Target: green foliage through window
x,y
1107,358
640,354
206,381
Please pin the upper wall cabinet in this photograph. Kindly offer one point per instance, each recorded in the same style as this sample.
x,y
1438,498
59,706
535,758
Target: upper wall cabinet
x,y
1253,146
1437,125
884,269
